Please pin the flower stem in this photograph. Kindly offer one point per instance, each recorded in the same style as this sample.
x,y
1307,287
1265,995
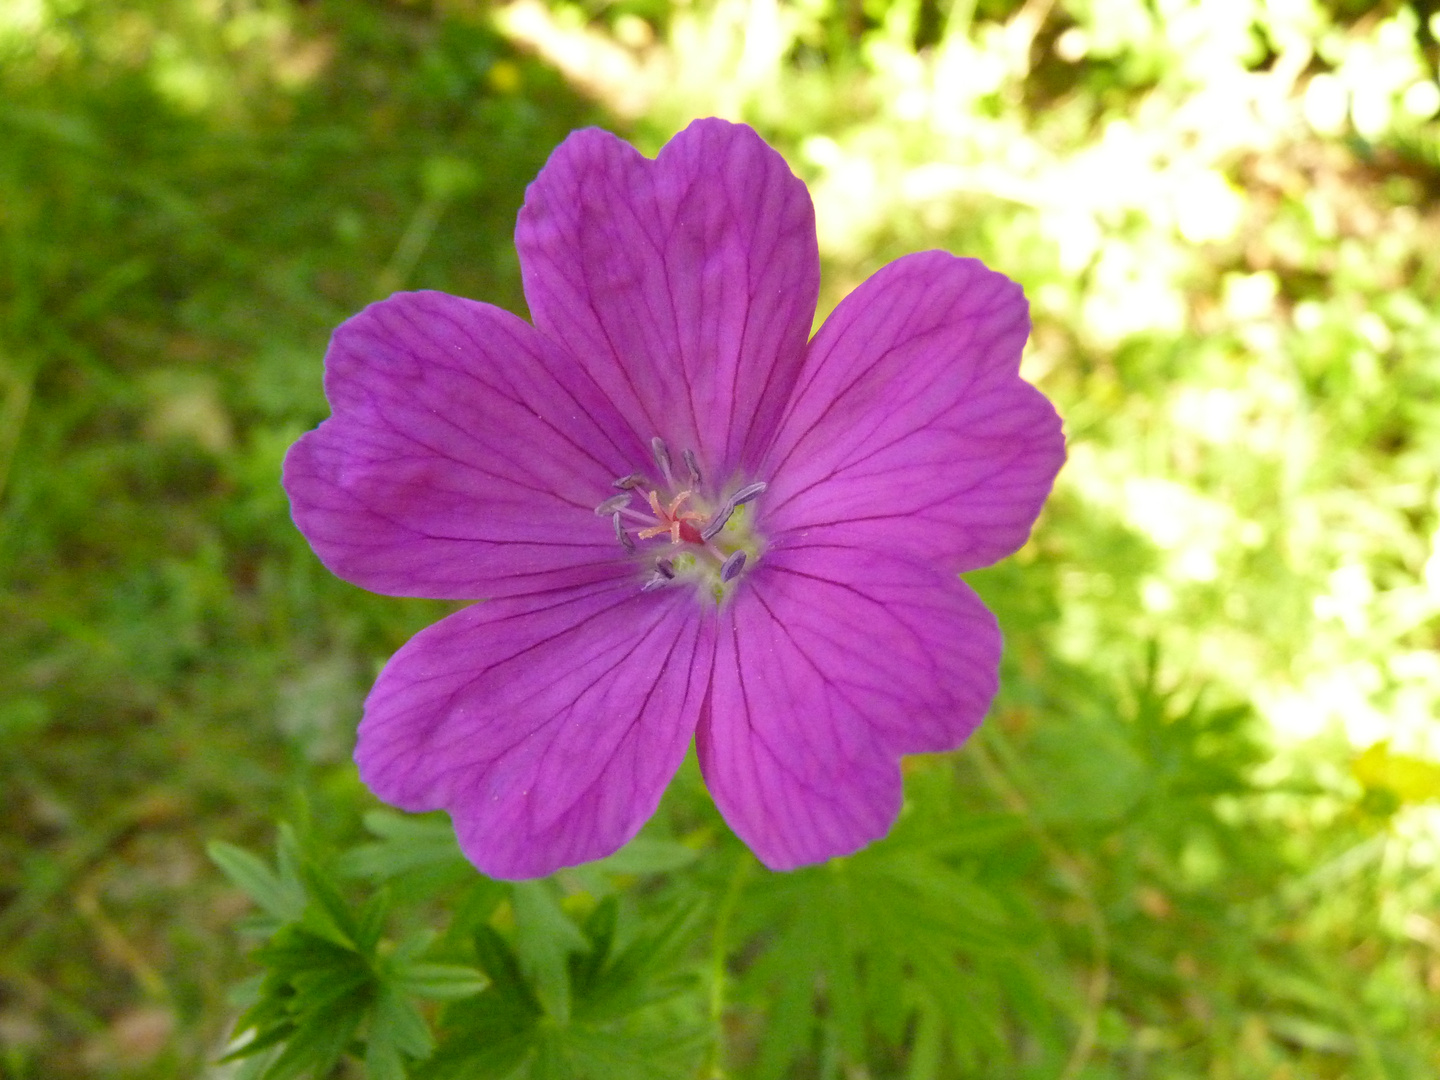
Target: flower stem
x,y
998,765
714,1065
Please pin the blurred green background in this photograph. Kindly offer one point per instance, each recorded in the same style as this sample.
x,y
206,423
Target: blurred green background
x,y
1199,836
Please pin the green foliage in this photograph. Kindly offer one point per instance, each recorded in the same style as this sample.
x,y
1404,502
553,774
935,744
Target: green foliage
x,y
328,974
1007,928
1196,837
565,991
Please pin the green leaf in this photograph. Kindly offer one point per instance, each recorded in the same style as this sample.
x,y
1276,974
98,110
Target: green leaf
x,y
663,1052
600,929
397,1032
790,1018
646,856
501,964
280,898
439,982
252,1068
490,1035
330,915
1084,772
407,845
317,1044
649,968
371,922
545,939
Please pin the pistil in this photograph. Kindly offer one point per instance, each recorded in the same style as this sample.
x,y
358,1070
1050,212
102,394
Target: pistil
x,y
678,525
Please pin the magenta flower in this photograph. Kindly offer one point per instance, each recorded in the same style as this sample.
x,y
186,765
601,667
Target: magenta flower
x,y
687,520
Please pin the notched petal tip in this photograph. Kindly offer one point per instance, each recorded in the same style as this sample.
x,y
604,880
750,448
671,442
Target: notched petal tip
x,y
912,430
546,725
830,668
460,448
686,285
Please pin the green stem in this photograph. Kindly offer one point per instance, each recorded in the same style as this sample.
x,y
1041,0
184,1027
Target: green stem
x,y
12,419
714,1066
997,764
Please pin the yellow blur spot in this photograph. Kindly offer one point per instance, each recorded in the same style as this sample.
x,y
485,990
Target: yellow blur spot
x,y
1410,779
505,76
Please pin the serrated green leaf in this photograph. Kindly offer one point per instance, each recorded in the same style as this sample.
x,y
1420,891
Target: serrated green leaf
x,y
253,1068
281,899
412,947
439,982
329,916
644,855
246,992
397,1032
600,929
545,939
406,846
790,1017
925,1048
383,1061
488,1036
370,923
269,1040
668,1053
501,964
317,1043
646,970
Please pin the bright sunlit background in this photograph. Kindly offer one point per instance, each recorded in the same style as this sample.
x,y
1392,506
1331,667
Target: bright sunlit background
x,y
1202,830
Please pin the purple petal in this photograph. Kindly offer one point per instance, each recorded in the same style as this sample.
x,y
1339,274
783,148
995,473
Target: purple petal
x,y
465,456
829,664
547,725
911,429
686,285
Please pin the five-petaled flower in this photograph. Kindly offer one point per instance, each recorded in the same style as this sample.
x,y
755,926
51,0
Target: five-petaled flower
x,y
685,518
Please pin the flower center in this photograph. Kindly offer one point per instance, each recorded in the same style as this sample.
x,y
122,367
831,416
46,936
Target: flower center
x,y
680,525
708,545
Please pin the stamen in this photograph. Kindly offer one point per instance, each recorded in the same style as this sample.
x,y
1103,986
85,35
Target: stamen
x,y
634,480
662,457
621,534
656,581
665,567
613,504
740,498
732,566
694,466
716,523
748,492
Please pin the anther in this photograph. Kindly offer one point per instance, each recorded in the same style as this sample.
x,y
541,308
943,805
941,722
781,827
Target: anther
x,y
655,581
666,568
716,523
732,566
634,480
613,504
748,492
693,465
621,534
662,457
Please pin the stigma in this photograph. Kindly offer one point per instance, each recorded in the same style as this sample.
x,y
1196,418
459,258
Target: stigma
x,y
679,524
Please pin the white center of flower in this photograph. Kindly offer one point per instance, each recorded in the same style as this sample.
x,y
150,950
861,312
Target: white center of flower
x,y
684,537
